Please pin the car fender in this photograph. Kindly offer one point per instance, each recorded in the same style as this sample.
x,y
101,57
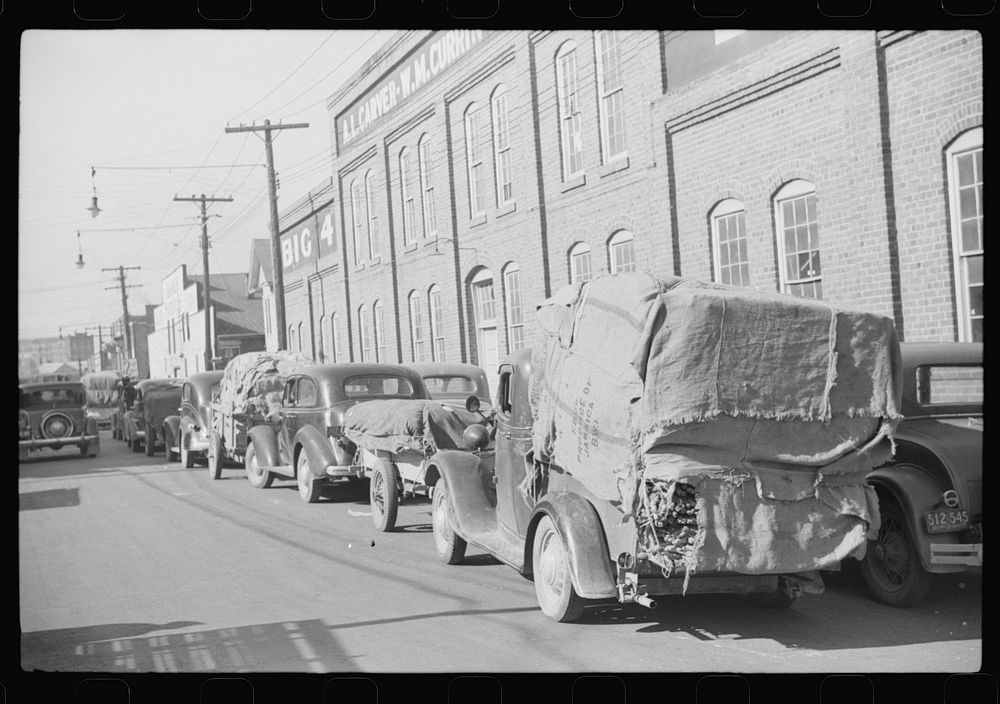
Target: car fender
x,y
265,445
317,448
471,508
185,428
580,528
916,493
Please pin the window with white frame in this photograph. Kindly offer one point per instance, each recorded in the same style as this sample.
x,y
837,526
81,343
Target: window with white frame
x,y
567,87
379,332
621,252
579,263
485,310
409,233
501,146
366,335
357,220
474,160
335,348
298,339
611,94
437,331
417,335
729,238
426,186
965,190
514,310
798,239
373,242
291,338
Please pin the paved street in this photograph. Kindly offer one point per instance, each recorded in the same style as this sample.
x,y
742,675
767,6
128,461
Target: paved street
x,y
129,563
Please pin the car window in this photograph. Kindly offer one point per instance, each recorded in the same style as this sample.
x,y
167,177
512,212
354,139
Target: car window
x,y
950,384
54,397
377,385
503,393
306,394
289,399
186,394
450,386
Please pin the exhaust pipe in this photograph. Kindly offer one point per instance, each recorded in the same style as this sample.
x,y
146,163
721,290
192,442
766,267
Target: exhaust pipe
x,y
644,600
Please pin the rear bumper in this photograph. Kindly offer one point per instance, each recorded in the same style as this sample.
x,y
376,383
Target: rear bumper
x,y
341,471
197,444
965,554
39,443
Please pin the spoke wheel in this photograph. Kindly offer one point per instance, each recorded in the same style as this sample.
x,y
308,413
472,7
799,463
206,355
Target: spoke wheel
x,y
449,546
891,568
258,478
215,456
553,581
310,488
384,496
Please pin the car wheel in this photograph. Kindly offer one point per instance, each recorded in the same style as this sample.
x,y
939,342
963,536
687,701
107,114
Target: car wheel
x,y
168,442
383,496
553,581
450,547
258,478
310,488
187,458
135,443
214,456
84,448
891,568
150,440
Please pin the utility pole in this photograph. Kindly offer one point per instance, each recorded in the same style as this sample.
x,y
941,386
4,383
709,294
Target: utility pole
x,y
125,318
279,278
209,342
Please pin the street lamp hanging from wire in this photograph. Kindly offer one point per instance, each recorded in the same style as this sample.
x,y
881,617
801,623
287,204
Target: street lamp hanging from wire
x,y
94,210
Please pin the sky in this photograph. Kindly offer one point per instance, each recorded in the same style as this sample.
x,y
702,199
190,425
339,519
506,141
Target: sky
x,y
147,111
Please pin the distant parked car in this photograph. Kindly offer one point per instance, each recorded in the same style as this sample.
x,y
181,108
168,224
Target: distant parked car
x,y
931,495
186,433
154,401
53,415
308,442
102,395
452,383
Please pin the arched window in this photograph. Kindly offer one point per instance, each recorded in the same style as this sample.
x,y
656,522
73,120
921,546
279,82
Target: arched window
x,y
611,93
379,332
474,161
579,263
501,146
366,334
437,332
373,243
357,220
513,309
965,201
406,193
571,140
729,242
485,318
417,332
621,252
426,186
322,339
798,239
335,340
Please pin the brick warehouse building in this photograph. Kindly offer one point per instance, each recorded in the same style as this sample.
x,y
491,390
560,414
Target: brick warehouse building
x,y
476,172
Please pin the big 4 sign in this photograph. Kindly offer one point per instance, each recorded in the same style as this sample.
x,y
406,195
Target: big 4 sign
x,y
308,242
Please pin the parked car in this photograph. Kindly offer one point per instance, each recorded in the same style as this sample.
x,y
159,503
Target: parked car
x,y
54,415
154,400
187,432
102,395
453,382
308,443
931,494
249,393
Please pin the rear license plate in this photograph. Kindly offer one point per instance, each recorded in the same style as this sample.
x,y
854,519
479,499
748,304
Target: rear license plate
x,y
947,520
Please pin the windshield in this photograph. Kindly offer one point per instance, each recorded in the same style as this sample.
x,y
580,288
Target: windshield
x,y
52,398
375,386
450,386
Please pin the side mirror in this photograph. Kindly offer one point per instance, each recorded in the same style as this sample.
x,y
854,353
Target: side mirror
x,y
475,437
472,404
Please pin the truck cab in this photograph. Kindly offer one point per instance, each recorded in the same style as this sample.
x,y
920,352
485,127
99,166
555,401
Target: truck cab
x,y
541,521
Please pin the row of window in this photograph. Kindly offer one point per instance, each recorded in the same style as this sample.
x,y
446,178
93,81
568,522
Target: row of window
x,y
621,257
180,326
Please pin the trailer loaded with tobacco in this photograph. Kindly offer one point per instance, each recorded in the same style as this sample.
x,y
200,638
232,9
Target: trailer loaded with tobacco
x,y
670,436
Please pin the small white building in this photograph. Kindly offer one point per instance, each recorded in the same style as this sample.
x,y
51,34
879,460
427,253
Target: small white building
x,y
177,342
261,283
